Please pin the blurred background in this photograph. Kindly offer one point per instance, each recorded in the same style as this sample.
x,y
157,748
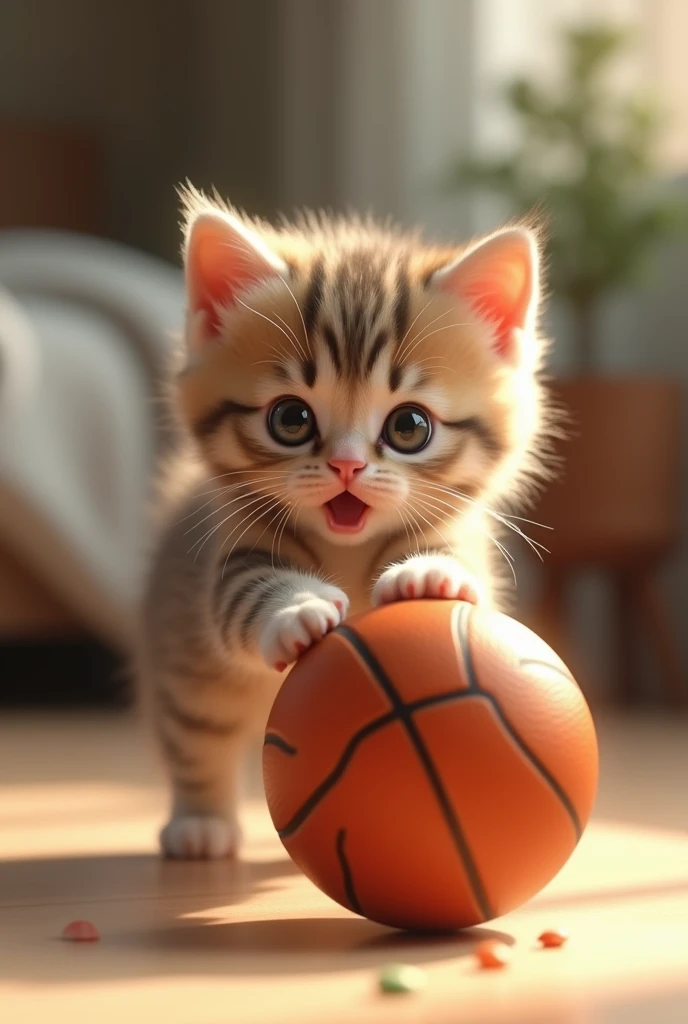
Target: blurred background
x,y
455,114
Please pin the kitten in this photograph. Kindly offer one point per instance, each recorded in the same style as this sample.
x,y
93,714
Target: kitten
x,y
354,401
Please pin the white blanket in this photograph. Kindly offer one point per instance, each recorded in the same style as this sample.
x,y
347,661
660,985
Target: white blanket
x,y
86,331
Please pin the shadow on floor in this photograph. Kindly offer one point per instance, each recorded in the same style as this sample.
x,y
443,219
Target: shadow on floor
x,y
148,911
190,885
304,945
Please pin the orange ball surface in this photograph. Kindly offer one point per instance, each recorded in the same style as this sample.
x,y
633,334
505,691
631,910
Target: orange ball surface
x,y
430,765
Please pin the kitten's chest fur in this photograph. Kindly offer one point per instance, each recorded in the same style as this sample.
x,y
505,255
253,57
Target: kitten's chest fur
x,y
354,569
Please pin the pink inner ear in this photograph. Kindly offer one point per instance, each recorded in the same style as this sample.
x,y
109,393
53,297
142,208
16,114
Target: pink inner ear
x,y
499,298
498,280
220,263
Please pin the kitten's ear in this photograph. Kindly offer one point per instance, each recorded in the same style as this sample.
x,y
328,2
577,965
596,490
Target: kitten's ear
x,y
222,258
499,280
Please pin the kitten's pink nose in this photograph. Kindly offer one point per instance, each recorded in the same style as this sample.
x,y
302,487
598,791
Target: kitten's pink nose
x,y
347,468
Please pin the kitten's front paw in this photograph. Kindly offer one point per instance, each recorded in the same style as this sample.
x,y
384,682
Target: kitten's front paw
x,y
200,837
293,629
426,576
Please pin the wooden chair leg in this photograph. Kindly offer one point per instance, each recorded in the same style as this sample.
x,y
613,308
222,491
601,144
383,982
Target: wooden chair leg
x,y
662,636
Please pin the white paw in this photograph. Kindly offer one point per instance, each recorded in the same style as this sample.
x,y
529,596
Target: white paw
x,y
305,620
426,576
199,837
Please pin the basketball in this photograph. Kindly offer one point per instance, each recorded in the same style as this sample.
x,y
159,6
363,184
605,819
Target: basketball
x,y
430,765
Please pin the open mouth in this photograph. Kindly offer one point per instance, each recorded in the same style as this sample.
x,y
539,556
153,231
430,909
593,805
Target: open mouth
x,y
346,513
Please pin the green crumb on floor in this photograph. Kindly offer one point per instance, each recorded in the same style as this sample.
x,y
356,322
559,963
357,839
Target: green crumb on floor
x,y
402,978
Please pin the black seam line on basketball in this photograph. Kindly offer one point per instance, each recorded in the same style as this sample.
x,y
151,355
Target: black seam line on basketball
x,y
349,887
525,750
450,817
224,410
330,780
525,662
273,739
535,763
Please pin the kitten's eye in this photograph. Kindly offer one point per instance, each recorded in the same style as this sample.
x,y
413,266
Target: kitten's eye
x,y
407,429
291,422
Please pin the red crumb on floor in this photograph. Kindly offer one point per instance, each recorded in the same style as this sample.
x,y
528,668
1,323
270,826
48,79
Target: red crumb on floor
x,y
80,931
553,937
493,953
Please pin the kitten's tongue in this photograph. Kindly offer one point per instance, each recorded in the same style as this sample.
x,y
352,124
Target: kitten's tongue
x,y
346,509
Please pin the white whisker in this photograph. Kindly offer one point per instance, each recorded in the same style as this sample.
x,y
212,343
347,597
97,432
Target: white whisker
x,y
405,525
281,529
296,517
432,525
252,518
431,497
411,524
410,326
424,337
280,518
500,547
221,508
235,472
298,309
261,535
268,362
418,529
299,348
278,475
216,492
246,250
288,326
507,556
430,365
535,545
505,515
403,349
210,532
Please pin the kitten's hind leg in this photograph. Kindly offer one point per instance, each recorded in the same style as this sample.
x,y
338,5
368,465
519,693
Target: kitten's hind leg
x,y
202,750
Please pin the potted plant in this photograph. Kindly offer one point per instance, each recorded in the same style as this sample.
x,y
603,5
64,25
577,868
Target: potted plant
x,y
584,161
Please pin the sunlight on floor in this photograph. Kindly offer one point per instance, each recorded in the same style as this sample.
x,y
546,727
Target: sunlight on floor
x,y
80,805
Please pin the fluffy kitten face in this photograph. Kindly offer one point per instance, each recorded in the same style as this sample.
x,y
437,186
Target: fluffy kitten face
x,y
346,376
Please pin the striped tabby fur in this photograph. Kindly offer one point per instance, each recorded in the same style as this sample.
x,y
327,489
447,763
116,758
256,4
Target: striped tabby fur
x,y
356,321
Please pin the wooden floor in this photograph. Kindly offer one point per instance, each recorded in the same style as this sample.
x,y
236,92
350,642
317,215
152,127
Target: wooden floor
x,y
194,943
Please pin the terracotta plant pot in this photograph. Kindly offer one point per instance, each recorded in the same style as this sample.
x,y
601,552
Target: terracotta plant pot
x,y
617,496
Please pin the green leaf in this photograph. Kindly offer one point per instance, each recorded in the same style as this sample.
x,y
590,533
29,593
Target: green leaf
x,y
586,156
